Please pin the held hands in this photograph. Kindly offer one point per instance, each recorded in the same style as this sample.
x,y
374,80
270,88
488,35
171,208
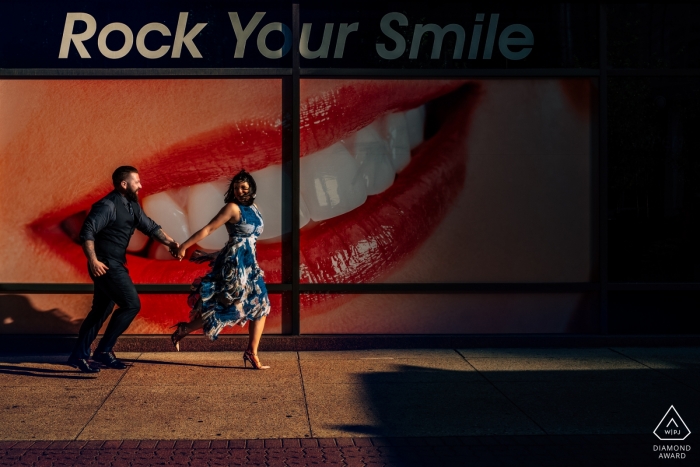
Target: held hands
x,y
173,249
97,267
177,251
181,253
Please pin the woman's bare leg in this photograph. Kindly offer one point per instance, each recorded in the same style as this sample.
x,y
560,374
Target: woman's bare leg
x,y
193,325
255,330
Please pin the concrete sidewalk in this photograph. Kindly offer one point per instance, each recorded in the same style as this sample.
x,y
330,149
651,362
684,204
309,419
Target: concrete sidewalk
x,y
556,398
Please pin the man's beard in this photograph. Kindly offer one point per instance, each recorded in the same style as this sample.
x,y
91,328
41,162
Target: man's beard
x,y
132,195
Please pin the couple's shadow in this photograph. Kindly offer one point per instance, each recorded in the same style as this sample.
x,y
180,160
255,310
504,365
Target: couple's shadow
x,y
17,366
35,372
18,316
197,365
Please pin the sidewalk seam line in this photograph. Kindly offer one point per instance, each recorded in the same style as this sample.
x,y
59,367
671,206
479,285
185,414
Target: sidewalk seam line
x,y
106,397
303,393
655,370
502,393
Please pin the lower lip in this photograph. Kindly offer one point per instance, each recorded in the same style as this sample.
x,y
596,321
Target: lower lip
x,y
363,245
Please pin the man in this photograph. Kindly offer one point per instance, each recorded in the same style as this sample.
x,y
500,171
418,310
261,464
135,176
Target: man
x,y
105,235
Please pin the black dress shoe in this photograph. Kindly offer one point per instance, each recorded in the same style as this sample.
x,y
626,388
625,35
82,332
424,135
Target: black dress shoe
x,y
82,365
109,360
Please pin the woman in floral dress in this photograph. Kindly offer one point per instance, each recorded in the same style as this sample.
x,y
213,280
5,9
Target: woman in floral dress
x,y
234,291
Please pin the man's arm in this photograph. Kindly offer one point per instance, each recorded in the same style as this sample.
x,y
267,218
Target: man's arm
x,y
97,267
164,238
148,226
101,214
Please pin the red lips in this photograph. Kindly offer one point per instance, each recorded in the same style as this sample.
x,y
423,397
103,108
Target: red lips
x,y
360,246
364,244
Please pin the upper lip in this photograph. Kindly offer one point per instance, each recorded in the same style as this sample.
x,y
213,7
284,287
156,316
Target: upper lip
x,y
255,144
332,115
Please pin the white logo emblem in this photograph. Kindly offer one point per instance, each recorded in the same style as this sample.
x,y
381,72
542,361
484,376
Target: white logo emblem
x,y
671,427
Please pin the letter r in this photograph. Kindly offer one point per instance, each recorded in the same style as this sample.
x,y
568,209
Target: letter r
x,y
77,39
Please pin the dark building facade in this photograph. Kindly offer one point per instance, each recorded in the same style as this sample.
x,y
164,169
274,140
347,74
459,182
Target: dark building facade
x,y
447,169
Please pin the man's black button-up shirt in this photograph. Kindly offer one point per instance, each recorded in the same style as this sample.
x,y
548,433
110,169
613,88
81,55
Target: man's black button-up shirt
x,y
104,212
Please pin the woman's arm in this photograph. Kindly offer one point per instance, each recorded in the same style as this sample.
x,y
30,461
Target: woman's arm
x,y
230,212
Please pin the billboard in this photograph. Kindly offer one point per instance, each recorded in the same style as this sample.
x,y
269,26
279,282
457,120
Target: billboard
x,y
413,181
408,179
446,180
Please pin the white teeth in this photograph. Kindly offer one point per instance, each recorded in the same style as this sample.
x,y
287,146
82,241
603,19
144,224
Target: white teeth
x,y
416,125
396,134
372,153
137,242
331,183
203,204
269,201
304,216
180,196
329,179
170,215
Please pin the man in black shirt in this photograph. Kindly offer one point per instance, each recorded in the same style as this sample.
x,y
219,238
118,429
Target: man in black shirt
x,y
105,235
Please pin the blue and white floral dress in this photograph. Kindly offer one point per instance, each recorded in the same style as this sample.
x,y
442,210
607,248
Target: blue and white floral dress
x,y
234,291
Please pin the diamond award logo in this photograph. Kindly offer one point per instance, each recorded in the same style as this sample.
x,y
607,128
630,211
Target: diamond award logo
x,y
671,427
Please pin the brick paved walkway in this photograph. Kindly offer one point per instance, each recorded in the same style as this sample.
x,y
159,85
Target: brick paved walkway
x,y
583,450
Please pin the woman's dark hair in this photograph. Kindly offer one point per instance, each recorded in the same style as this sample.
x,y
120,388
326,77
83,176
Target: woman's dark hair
x,y
240,177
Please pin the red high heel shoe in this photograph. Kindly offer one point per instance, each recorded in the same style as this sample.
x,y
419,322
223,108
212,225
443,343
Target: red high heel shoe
x,y
254,361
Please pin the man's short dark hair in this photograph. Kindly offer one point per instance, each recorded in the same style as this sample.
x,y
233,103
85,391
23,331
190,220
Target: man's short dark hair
x,y
121,174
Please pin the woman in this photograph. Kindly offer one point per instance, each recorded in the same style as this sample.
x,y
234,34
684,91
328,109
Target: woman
x,y
234,291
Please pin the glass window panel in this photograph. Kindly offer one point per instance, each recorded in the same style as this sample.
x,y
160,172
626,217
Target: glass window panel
x,y
63,314
653,35
62,139
445,181
654,179
448,313
161,311
43,313
653,312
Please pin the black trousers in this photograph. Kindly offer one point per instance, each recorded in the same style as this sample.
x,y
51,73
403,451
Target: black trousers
x,y
113,288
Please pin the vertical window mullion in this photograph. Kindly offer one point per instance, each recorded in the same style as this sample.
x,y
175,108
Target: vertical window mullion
x,y
295,171
603,158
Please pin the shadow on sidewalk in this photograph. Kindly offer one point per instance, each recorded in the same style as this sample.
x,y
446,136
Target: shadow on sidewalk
x,y
19,316
11,366
585,417
161,362
418,401
42,372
